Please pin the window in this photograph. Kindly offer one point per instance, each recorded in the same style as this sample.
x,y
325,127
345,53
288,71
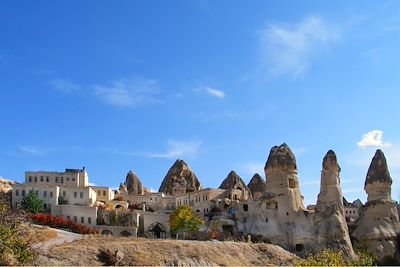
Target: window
x,y
68,217
35,179
23,193
82,219
17,193
30,178
62,180
99,192
104,193
73,179
81,194
89,220
41,178
75,219
266,220
245,207
44,206
287,213
51,194
44,194
64,194
276,205
47,179
67,179
75,194
347,211
56,179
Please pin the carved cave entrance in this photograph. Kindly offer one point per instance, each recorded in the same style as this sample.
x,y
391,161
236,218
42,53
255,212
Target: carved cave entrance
x,y
158,230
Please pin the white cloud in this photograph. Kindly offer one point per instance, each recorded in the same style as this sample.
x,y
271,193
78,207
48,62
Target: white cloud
x,y
92,184
290,48
31,150
178,149
373,138
64,85
311,182
127,93
254,167
215,92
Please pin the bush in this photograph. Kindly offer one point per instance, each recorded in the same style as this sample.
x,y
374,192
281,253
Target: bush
x,y
184,220
14,248
61,223
330,257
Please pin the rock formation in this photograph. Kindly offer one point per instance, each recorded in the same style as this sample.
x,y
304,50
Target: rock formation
x,y
5,190
329,219
257,186
281,170
236,187
133,184
379,225
180,179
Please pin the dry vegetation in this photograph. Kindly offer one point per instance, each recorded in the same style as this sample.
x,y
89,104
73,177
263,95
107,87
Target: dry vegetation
x,y
91,251
38,235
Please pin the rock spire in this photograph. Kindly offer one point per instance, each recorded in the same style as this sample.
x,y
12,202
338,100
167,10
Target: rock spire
x,y
133,184
257,186
180,179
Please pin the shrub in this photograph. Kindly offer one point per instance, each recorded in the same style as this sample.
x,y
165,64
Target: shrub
x,y
14,248
330,257
61,223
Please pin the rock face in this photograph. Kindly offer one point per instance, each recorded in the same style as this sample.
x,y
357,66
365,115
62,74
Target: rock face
x,y
179,180
281,170
257,186
330,222
379,225
5,190
236,187
133,184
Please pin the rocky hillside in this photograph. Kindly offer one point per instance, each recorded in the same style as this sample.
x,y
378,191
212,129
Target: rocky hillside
x,y
91,250
5,190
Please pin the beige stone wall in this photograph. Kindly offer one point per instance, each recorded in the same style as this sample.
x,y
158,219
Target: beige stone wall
x,y
48,193
85,196
67,178
80,214
149,218
104,194
202,200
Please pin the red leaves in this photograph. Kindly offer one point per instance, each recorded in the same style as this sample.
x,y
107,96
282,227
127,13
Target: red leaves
x,y
61,223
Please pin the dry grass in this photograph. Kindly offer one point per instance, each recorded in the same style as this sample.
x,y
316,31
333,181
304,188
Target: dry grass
x,y
147,252
39,235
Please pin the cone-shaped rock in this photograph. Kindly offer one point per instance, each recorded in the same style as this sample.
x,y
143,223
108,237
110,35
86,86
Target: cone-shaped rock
x,y
180,179
378,170
281,157
234,182
281,170
133,184
378,226
332,230
257,186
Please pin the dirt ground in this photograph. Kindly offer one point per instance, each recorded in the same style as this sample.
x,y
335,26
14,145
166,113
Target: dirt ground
x,y
148,252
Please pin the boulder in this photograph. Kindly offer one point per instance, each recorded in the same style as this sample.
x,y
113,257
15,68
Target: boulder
x,y
179,180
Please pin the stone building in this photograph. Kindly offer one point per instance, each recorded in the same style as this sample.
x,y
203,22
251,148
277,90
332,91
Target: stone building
x,y
66,194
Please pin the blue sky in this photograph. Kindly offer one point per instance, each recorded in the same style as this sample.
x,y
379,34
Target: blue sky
x,y
130,85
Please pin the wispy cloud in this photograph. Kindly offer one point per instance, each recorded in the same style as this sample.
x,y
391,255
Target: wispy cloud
x,y
215,92
178,149
127,93
352,190
175,149
290,48
373,138
31,150
254,167
311,182
64,86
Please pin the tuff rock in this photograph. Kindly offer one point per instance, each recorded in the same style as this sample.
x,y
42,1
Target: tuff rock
x,y
179,180
257,186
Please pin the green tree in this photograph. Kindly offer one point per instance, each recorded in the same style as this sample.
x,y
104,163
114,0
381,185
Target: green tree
x,y
32,203
184,220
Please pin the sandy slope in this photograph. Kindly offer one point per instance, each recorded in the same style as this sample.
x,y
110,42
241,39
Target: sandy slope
x,y
163,252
